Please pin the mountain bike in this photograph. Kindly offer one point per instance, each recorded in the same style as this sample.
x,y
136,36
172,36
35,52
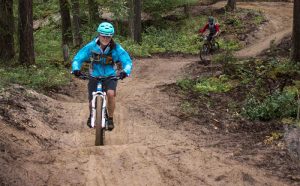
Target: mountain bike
x,y
99,115
208,49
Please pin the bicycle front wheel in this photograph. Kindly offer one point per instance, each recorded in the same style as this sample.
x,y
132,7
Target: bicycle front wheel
x,y
100,131
204,53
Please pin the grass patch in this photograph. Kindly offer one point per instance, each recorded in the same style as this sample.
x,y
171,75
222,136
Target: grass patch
x,y
259,18
48,72
207,85
44,9
47,50
188,108
229,45
41,78
175,39
213,85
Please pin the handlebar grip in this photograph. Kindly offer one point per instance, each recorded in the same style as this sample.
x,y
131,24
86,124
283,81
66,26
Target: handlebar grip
x,y
81,76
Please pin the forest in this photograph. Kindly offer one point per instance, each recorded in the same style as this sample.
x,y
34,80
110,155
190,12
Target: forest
x,y
230,116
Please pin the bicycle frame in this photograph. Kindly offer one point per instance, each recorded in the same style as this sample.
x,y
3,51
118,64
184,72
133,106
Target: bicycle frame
x,y
209,43
102,94
100,130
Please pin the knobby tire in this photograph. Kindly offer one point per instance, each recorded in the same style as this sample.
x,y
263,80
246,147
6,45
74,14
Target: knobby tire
x,y
100,132
204,52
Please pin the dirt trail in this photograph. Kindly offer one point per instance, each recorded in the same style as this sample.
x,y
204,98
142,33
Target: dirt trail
x,y
140,151
279,16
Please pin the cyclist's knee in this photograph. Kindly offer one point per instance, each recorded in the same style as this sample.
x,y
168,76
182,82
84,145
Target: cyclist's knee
x,y
111,93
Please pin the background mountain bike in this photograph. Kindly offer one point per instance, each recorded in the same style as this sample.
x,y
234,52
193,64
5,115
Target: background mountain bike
x,y
99,115
208,49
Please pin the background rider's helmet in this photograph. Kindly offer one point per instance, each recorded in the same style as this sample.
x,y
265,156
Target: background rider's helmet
x,y
106,29
211,20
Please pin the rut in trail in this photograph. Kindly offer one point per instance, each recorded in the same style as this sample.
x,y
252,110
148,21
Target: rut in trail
x,y
142,150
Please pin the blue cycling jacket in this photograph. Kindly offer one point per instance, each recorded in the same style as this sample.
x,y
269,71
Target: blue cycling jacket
x,y
100,67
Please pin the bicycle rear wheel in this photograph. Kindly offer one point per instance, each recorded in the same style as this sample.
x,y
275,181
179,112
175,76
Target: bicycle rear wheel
x,y
100,132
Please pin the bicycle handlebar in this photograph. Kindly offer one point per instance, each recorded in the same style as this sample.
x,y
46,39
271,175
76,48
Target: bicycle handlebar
x,y
100,78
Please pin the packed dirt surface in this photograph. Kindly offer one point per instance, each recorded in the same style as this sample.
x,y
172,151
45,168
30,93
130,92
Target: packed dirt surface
x,y
140,151
45,141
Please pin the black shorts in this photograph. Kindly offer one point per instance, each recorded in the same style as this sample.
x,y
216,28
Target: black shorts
x,y
108,84
210,36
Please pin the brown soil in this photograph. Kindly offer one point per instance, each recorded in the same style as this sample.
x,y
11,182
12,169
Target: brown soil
x,y
45,141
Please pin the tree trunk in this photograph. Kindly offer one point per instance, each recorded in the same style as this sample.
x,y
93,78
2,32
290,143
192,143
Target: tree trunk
x,y
6,30
186,9
123,30
65,22
295,55
26,56
231,5
120,27
76,23
93,11
137,21
130,18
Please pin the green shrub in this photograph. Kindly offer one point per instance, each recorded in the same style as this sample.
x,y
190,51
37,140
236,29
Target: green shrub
x,y
185,84
277,105
234,21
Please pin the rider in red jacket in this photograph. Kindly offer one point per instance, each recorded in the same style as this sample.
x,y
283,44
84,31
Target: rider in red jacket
x,y
214,28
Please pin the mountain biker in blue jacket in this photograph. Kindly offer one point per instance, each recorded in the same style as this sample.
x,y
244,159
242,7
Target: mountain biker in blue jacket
x,y
105,56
